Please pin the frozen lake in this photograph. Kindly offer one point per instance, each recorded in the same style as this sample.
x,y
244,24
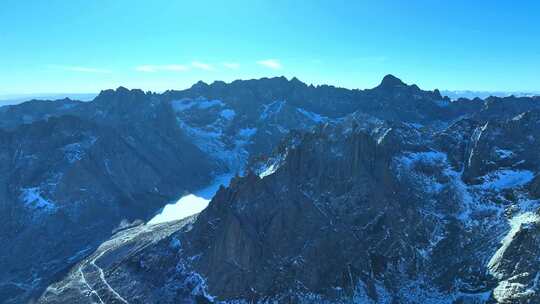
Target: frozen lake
x,y
192,203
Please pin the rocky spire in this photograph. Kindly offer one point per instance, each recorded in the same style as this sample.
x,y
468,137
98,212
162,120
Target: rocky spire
x,y
390,81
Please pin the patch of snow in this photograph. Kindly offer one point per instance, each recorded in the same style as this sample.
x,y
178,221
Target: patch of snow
x,y
104,280
75,152
211,140
32,199
506,179
192,203
518,117
227,114
383,295
509,291
409,159
181,105
503,154
464,195
442,103
268,170
194,281
68,106
381,138
420,290
201,287
247,132
208,140
515,223
53,181
360,292
85,283
272,109
205,104
521,162
201,103
175,243
106,163
199,134
414,125
312,116
429,184
281,129
477,133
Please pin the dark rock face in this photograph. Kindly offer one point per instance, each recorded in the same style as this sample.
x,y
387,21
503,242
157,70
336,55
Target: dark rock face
x,y
411,198
300,228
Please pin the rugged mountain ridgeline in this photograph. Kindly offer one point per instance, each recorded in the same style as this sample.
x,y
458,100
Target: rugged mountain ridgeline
x,y
387,195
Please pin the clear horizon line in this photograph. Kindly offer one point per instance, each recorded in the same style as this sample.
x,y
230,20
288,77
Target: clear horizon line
x,y
4,96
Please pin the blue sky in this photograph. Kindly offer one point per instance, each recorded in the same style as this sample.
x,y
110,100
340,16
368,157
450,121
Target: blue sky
x,y
86,46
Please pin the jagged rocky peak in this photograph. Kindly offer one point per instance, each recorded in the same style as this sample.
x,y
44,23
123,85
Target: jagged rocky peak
x,y
296,80
391,81
200,85
116,105
271,83
287,232
438,95
121,94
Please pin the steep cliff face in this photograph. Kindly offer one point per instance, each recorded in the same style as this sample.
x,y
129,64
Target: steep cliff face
x,y
349,215
315,224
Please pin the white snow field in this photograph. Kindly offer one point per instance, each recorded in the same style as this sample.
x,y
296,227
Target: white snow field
x,y
192,203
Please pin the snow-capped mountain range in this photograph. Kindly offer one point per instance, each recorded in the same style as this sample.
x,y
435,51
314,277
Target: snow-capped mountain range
x,y
471,94
386,195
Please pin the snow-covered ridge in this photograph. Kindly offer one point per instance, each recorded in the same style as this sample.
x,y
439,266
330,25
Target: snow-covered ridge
x,y
516,223
478,211
467,198
510,289
313,116
506,179
474,141
214,138
268,170
383,136
271,165
75,151
200,103
272,109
